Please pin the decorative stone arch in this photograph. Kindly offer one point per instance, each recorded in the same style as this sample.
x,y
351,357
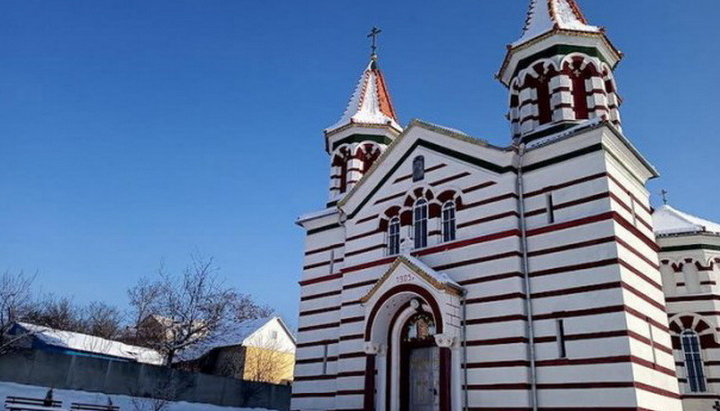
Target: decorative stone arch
x,y
584,59
589,94
367,152
537,87
451,194
407,287
709,337
514,104
535,70
340,159
609,78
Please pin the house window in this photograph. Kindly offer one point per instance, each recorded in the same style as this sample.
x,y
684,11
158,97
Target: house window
x,y
420,215
418,168
693,361
273,335
394,236
448,221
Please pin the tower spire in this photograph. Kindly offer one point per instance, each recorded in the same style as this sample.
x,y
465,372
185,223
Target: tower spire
x,y
548,15
364,131
370,104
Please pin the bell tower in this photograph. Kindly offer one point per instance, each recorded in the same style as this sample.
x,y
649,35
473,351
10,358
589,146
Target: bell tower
x,y
367,127
560,72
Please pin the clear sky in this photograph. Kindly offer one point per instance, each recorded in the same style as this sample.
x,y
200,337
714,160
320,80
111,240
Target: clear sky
x,y
139,131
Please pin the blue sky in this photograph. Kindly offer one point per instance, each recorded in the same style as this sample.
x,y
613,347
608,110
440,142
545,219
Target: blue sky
x,y
135,132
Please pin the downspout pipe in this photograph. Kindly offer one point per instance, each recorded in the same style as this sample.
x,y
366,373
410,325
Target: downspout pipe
x,y
520,188
466,399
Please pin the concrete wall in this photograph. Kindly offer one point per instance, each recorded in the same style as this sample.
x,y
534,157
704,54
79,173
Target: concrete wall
x,y
138,380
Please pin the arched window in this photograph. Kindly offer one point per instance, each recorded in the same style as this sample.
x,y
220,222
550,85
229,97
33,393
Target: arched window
x,y
394,236
341,162
693,361
370,154
448,221
418,168
543,100
420,216
580,92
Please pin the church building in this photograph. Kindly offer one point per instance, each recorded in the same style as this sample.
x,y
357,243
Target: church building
x,y
446,273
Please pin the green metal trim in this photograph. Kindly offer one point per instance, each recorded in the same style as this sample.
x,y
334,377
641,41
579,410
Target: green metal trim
x,y
560,49
567,156
548,131
321,229
707,247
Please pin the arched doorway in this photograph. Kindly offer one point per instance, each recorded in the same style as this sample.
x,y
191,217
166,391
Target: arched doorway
x,y
411,332
419,364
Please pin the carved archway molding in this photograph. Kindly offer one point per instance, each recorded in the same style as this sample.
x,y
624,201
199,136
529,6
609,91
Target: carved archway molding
x,y
387,306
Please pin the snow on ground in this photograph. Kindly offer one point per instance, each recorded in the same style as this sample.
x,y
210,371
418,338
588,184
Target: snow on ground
x,y
124,402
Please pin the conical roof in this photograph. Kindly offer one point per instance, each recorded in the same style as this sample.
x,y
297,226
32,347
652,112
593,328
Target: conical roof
x,y
547,15
370,104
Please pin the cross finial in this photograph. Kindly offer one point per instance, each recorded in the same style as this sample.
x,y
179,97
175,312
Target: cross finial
x,y
664,196
374,33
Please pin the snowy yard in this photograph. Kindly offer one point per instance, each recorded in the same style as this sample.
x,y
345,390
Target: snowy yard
x,y
124,402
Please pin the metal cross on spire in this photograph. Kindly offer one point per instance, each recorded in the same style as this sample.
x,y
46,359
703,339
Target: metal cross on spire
x,y
374,33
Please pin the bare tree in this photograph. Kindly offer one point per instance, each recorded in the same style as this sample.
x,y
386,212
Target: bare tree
x,y
144,298
193,310
244,308
268,361
58,313
102,320
15,302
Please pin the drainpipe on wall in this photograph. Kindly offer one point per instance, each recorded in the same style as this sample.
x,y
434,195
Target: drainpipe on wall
x,y
520,188
464,348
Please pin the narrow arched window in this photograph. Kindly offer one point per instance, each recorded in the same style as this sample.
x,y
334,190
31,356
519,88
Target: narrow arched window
x,y
394,236
420,216
693,361
418,168
343,176
448,221
580,94
543,100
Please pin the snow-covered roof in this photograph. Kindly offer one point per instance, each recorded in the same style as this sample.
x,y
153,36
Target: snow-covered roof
x,y
91,344
442,278
668,221
318,214
239,334
547,15
370,103
564,133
